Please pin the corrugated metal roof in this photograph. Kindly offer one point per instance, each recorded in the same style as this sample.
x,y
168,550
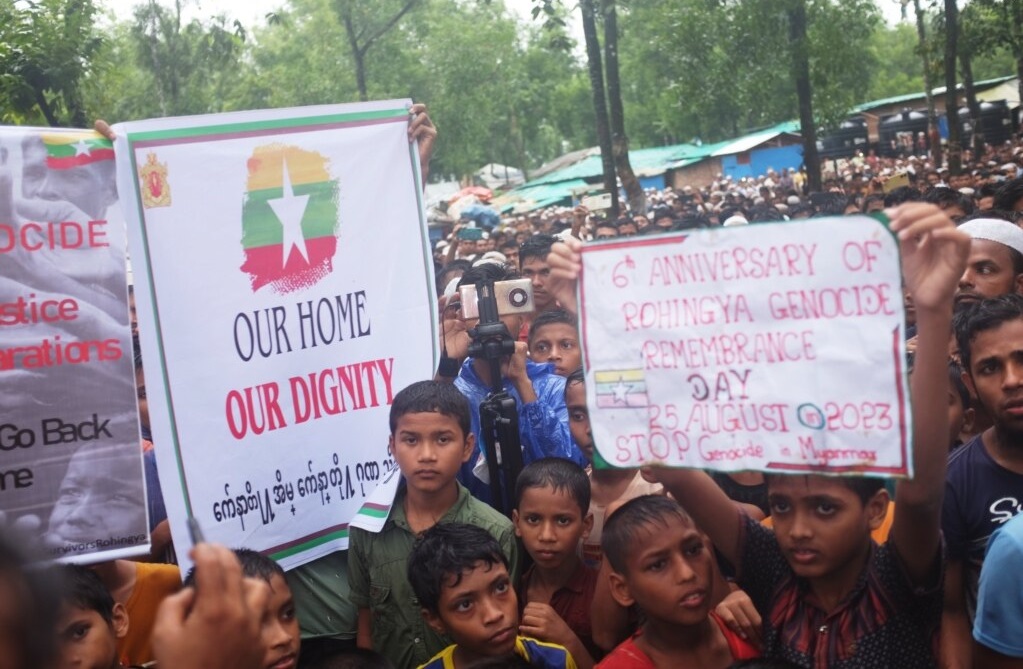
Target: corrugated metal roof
x,y
909,97
748,142
534,196
651,161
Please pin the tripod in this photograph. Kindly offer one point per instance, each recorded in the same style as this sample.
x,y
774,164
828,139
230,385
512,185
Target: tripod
x,y
499,416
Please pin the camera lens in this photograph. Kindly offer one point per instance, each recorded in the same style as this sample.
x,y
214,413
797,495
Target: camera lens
x,y
518,297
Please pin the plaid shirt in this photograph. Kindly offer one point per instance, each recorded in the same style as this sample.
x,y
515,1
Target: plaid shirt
x,y
885,621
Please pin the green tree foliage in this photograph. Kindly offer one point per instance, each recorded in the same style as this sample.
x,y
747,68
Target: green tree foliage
x,y
895,51
159,64
47,48
711,69
499,91
191,65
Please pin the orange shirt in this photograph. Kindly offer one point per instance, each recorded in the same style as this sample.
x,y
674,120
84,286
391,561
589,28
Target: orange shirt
x,y
153,582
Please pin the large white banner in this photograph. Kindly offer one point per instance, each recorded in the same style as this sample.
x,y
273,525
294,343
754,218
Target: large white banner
x,y
71,480
775,347
284,293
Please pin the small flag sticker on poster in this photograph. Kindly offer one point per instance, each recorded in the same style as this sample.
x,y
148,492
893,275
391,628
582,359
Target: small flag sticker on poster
x,y
620,389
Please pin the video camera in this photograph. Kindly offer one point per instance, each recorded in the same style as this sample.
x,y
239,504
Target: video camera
x,y
491,341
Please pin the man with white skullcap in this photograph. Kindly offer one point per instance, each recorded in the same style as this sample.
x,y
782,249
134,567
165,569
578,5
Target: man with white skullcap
x,y
995,266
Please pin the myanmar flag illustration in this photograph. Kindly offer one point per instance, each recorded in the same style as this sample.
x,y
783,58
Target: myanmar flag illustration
x,y
620,389
74,149
289,218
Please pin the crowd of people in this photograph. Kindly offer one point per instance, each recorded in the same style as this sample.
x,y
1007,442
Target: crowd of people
x,y
626,568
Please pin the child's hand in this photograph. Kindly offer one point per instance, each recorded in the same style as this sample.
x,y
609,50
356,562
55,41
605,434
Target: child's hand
x,y
738,612
542,622
217,622
934,253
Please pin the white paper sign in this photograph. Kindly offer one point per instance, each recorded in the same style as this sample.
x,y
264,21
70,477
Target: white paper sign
x,y
776,347
284,297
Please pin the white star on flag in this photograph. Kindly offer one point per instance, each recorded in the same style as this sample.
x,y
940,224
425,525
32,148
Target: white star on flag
x,y
289,210
82,148
621,390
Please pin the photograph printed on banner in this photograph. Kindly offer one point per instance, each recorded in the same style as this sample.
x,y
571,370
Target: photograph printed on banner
x,y
71,477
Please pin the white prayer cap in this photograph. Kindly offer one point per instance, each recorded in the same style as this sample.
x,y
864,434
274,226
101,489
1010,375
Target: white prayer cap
x,y
739,220
995,230
491,258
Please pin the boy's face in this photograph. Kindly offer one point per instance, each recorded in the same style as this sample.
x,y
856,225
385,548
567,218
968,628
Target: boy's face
x,y
996,374
669,573
480,613
579,418
557,343
279,632
822,526
550,524
86,641
429,448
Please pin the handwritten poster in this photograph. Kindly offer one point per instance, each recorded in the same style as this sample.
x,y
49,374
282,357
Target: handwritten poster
x,y
71,479
284,298
776,347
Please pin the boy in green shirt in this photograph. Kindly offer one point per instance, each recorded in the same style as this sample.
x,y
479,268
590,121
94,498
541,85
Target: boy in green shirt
x,y
430,440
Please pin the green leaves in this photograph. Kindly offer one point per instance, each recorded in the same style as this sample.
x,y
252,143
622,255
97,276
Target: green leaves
x,y
47,49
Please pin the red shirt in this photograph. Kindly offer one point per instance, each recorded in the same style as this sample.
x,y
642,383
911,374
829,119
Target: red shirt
x,y
628,655
572,602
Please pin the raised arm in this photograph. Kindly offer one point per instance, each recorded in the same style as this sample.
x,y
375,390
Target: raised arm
x,y
933,258
421,129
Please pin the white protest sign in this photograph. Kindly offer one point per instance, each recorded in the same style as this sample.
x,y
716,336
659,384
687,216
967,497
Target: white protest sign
x,y
775,347
71,477
284,297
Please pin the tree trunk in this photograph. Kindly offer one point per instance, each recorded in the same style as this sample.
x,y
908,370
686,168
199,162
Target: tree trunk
x,y
358,56
965,61
933,139
1019,76
801,73
596,71
619,140
955,158
518,144
45,108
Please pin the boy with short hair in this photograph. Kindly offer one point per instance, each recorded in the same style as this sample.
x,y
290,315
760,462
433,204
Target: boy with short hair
x,y
460,577
89,622
430,440
607,486
552,496
279,631
554,338
662,563
829,596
